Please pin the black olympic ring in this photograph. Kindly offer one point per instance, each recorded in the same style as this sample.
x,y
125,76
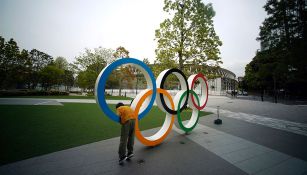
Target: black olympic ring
x,y
165,106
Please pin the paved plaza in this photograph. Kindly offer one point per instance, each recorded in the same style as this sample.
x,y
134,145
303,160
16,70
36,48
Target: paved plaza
x,y
255,138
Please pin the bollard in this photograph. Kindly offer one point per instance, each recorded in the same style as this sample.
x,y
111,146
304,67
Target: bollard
x,y
218,121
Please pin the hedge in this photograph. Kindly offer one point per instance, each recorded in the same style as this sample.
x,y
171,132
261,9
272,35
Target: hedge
x,y
7,93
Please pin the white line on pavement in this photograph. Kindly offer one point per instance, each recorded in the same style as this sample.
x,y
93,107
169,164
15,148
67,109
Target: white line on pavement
x,y
294,127
42,103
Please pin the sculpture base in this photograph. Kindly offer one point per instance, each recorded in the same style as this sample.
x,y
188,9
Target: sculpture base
x,y
218,122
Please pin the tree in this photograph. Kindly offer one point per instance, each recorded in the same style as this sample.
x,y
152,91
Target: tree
x,y
61,63
86,79
258,73
67,79
112,81
121,52
188,34
8,63
2,62
21,72
119,76
125,73
81,80
94,59
20,69
281,63
140,79
161,65
146,61
38,60
49,76
90,63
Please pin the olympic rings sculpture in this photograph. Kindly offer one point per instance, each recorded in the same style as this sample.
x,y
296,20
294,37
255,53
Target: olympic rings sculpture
x,y
155,92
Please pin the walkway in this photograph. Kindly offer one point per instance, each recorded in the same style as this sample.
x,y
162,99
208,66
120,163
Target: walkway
x,y
255,138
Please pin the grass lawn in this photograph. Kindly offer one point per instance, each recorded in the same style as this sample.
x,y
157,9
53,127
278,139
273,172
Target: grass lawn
x,y
28,131
108,97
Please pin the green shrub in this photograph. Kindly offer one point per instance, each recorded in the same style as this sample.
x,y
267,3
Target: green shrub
x,y
23,92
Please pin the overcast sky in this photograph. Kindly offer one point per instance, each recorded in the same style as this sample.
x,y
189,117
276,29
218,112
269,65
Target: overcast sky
x,y
66,27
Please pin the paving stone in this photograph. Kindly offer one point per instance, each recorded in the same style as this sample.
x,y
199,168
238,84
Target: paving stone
x,y
244,154
233,147
261,162
289,167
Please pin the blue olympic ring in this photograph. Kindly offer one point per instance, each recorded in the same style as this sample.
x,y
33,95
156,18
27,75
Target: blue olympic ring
x,y
102,79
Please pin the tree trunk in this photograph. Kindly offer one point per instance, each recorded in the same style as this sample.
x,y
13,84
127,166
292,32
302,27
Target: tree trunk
x,y
286,25
262,93
136,86
275,94
180,60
